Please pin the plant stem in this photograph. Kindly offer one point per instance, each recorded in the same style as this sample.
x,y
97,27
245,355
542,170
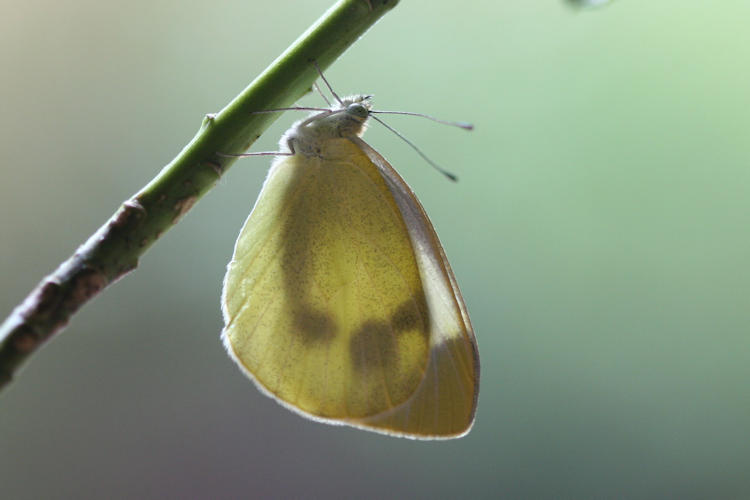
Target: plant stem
x,y
114,249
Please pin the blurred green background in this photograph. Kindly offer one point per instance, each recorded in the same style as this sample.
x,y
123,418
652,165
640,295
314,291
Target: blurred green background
x,y
600,233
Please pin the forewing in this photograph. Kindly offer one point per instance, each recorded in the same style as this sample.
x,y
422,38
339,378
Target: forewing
x,y
323,300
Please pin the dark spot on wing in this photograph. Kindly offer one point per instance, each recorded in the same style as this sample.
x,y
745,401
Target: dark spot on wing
x,y
372,346
406,318
314,326
412,315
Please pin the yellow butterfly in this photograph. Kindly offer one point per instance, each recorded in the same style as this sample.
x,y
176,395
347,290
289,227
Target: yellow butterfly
x,y
339,301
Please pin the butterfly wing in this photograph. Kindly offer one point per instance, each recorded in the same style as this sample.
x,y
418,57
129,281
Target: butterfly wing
x,y
445,403
329,308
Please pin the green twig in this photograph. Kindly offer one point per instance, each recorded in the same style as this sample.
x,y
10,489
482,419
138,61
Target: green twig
x,y
115,248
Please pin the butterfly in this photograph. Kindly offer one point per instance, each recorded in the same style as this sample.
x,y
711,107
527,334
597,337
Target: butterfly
x,y
339,301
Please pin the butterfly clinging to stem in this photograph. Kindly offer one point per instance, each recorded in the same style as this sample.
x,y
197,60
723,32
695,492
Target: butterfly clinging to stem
x,y
339,301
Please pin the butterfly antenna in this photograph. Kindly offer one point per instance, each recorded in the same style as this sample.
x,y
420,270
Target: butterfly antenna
x,y
294,108
256,153
434,165
315,63
463,125
317,87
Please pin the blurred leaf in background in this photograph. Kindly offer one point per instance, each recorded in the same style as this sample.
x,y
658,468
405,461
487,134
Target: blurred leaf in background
x,y
588,3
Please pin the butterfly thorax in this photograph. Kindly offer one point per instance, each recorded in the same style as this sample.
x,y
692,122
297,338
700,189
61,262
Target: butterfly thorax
x,y
347,119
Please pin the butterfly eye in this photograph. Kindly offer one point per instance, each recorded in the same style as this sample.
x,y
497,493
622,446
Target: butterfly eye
x,y
358,110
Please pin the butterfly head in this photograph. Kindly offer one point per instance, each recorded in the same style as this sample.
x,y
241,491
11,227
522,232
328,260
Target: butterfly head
x,y
354,111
